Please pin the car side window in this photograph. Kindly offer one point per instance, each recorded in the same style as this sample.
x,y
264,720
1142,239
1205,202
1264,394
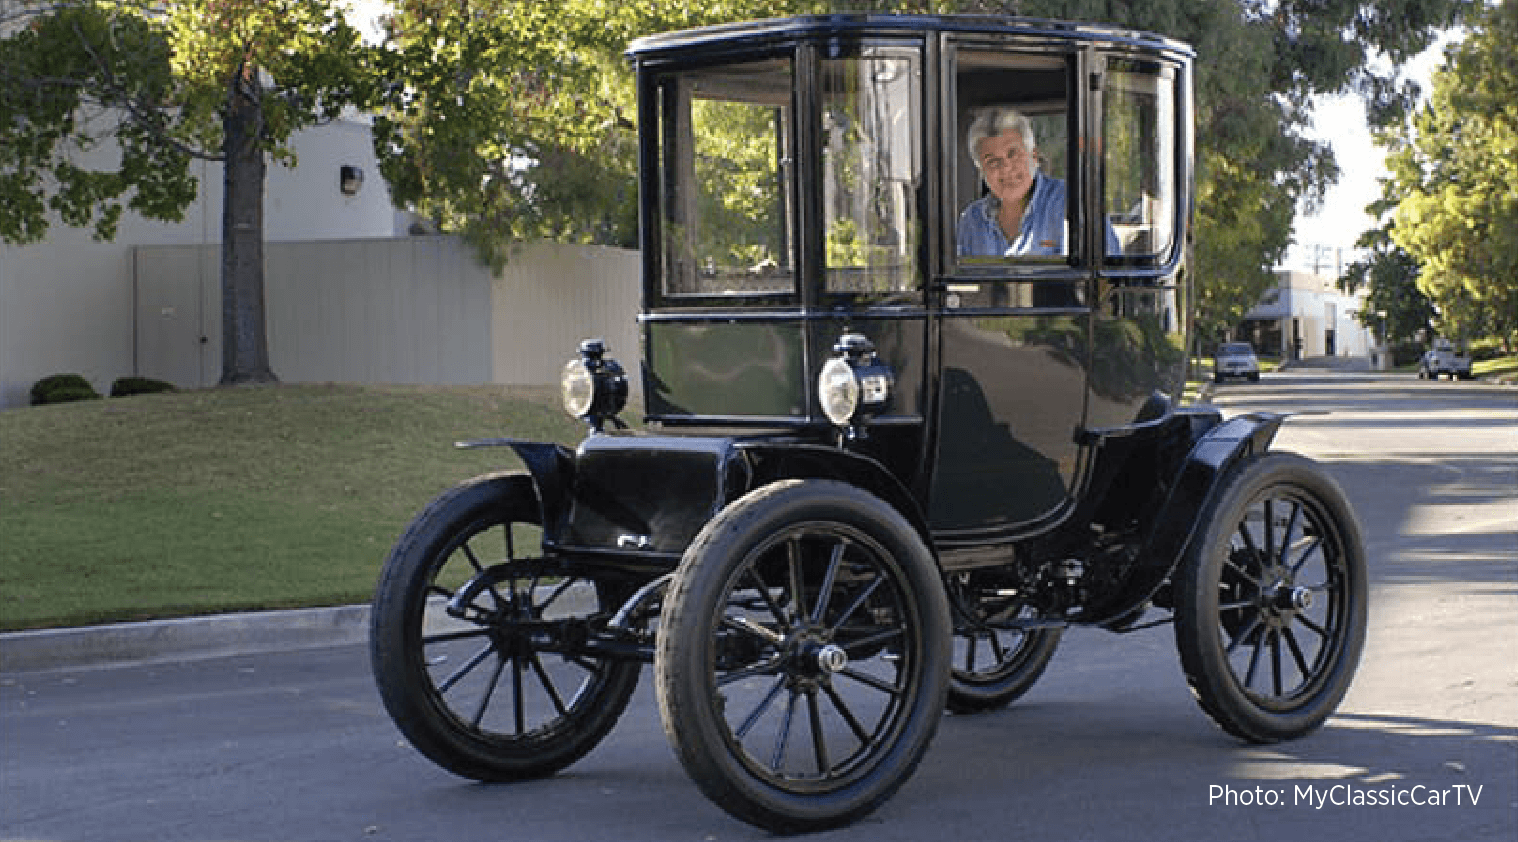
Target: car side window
x,y
726,152
871,170
1139,165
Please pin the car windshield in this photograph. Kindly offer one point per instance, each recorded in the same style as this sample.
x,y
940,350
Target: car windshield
x,y
726,149
1235,349
727,201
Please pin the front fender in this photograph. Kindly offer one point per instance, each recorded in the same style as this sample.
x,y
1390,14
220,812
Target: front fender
x,y
552,469
641,499
1213,455
772,462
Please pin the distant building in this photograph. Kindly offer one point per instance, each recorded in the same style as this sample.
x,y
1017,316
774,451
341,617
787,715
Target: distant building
x,y
1305,315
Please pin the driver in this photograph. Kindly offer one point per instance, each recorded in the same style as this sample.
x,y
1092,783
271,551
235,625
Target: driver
x,y
1024,214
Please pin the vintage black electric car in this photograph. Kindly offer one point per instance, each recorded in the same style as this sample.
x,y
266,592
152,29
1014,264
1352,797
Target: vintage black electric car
x,y
880,470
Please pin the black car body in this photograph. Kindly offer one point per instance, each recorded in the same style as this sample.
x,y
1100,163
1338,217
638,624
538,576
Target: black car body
x,y
877,476
1006,374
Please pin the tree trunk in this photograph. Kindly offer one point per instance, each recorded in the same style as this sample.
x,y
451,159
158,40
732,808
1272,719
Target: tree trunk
x,y
244,345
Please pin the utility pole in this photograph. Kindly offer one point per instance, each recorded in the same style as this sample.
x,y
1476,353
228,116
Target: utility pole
x,y
1323,256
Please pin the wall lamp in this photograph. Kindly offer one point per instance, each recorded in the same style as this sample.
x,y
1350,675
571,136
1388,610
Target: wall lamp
x,y
350,179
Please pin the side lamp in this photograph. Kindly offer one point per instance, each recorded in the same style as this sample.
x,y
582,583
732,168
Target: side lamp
x,y
854,386
594,387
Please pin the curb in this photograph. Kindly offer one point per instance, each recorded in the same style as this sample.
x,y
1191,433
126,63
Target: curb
x,y
183,639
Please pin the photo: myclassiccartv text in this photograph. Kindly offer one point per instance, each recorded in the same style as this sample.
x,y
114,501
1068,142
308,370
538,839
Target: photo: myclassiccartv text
x,y
1319,796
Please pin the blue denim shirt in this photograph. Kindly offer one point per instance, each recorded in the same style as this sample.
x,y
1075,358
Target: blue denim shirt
x,y
1042,231
1043,227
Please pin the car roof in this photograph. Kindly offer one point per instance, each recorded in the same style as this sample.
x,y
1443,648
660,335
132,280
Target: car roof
x,y
759,32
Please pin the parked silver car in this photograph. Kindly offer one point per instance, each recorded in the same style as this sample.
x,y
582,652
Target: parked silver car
x,y
1235,359
1443,359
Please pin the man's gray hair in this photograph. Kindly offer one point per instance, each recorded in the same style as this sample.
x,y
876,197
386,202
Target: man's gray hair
x,y
997,120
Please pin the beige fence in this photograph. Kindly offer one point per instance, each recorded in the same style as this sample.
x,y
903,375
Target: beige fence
x,y
406,310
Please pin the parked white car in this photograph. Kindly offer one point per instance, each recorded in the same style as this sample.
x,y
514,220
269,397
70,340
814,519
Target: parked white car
x,y
1443,359
1235,359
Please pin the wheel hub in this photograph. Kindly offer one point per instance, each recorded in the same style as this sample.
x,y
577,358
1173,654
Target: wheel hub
x,y
831,658
813,660
1282,601
1301,598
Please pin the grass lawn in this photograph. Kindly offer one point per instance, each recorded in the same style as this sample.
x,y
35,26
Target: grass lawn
x,y
1504,369
229,499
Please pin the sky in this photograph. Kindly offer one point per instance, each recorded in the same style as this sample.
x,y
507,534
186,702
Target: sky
x,y
1325,241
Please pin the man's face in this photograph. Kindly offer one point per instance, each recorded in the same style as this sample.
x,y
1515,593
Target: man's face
x,y
1006,165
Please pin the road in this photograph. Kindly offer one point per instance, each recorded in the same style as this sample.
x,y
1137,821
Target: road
x,y
1109,746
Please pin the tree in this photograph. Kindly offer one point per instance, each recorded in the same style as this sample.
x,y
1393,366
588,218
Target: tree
x,y
1395,308
220,80
508,120
1456,170
1259,68
523,126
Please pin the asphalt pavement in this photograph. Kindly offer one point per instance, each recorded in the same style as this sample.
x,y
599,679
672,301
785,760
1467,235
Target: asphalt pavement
x,y
205,739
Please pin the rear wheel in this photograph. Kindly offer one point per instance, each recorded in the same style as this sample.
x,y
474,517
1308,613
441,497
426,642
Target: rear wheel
x,y
995,661
477,642
1271,600
802,655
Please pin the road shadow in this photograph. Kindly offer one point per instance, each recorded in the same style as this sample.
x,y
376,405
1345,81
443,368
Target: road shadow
x,y
1104,769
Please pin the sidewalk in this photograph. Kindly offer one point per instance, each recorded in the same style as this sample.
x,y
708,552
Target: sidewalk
x,y
187,638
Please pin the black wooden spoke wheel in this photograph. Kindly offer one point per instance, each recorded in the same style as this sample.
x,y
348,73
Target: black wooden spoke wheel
x,y
995,661
477,645
1271,600
802,658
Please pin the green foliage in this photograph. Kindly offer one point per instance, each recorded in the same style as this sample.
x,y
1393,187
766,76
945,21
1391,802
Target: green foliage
x,y
1395,308
299,60
1454,170
64,79
127,386
1258,67
509,120
62,388
220,80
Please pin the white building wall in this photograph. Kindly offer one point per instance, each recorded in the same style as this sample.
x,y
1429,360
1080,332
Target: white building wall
x,y
1317,312
66,303
1309,305
416,310
63,313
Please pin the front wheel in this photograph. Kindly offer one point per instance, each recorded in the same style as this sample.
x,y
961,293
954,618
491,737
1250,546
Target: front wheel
x,y
477,641
1271,600
803,655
